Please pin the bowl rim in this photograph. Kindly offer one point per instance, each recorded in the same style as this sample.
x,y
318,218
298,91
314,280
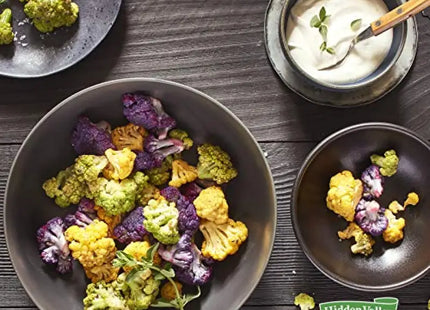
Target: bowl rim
x,y
294,205
10,246
333,86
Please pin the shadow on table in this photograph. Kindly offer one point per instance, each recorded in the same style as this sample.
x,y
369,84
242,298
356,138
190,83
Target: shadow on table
x,y
317,122
95,68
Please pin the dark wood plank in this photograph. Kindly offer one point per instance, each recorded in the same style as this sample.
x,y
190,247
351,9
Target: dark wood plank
x,y
217,47
288,273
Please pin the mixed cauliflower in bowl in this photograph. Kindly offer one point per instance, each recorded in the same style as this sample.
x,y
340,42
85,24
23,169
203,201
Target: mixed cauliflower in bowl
x,y
356,201
140,206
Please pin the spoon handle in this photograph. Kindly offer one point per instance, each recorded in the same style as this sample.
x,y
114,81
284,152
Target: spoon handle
x,y
398,15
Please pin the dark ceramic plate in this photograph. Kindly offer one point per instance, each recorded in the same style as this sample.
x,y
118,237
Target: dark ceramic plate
x,y
390,266
47,150
34,54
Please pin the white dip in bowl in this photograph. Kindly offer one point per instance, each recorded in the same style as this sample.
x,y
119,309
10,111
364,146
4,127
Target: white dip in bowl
x,y
305,42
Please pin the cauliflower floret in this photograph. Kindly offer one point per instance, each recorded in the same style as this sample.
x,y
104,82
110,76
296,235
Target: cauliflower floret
x,y
103,296
215,164
222,240
304,301
388,163
344,194
211,205
6,33
412,200
161,219
183,136
395,207
87,168
363,242
48,15
182,173
394,231
91,247
111,220
120,164
130,136
168,291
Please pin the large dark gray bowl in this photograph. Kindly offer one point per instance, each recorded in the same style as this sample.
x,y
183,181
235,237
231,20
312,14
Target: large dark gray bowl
x,y
390,266
47,150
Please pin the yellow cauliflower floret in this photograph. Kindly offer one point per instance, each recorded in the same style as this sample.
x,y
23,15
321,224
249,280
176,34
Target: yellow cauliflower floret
x,y
168,291
211,205
395,207
91,247
148,192
130,136
344,194
138,250
111,220
120,165
182,173
394,230
412,200
363,242
105,272
222,240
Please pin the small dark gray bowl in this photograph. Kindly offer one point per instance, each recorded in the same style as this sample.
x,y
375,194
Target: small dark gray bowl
x,y
47,150
390,266
399,39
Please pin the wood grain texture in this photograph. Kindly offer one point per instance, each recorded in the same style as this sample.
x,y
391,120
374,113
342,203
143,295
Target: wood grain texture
x,y
217,47
289,272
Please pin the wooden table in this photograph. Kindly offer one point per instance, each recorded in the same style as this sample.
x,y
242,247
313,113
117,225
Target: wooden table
x,y
217,47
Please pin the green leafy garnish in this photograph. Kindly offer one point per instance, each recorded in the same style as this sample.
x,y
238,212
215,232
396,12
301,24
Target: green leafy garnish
x,y
356,24
160,273
319,21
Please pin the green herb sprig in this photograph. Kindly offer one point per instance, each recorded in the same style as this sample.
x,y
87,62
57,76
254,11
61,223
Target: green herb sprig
x,y
319,21
160,273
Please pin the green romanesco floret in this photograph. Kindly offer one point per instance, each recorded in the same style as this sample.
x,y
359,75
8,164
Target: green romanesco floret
x,y
65,188
161,175
140,289
215,164
304,301
102,296
161,219
388,163
118,197
87,168
6,34
183,136
363,242
50,14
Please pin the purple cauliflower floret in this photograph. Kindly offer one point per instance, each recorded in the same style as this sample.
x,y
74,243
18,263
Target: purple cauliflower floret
x,y
369,215
83,216
155,152
179,254
53,245
188,221
147,112
190,191
199,272
131,228
171,193
88,138
373,182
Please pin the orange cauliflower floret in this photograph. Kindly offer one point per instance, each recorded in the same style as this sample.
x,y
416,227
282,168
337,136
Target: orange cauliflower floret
x,y
211,205
148,192
395,207
394,230
168,291
344,194
182,173
91,247
130,136
222,240
120,165
111,220
363,242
